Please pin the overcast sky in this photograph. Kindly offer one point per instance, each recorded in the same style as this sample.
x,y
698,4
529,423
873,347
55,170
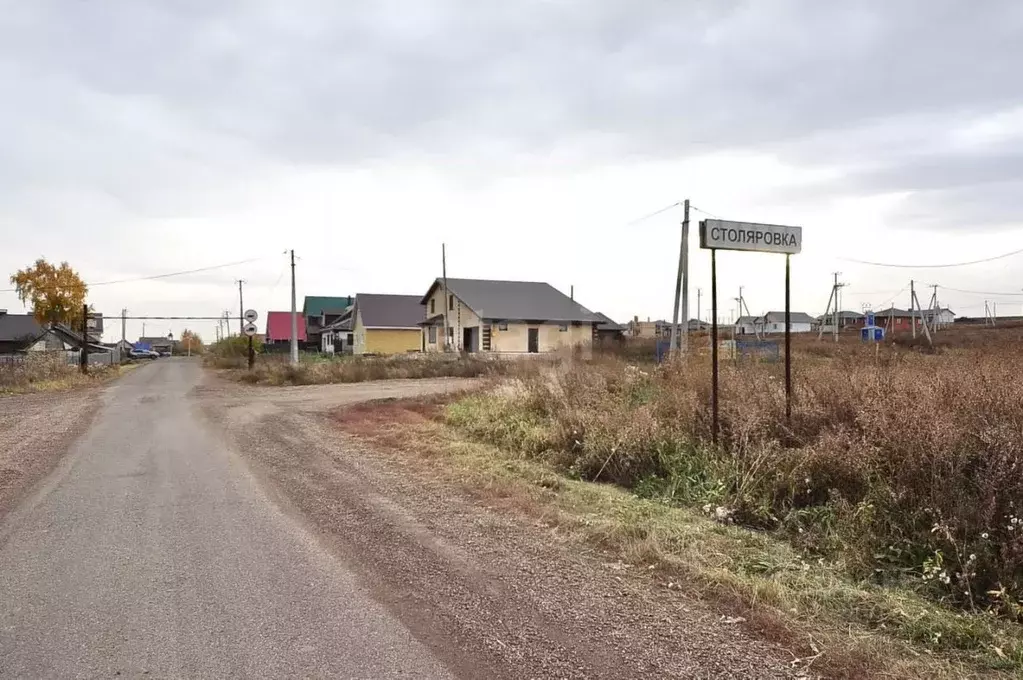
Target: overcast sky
x,y
142,138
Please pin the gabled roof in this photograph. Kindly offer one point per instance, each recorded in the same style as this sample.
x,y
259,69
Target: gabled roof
x,y
794,317
278,326
775,317
345,323
607,324
389,311
314,305
516,300
893,311
19,328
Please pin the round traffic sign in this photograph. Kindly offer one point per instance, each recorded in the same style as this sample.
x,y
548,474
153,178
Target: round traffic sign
x,y
250,315
250,329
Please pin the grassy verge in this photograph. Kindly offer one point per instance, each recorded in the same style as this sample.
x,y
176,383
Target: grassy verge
x,y
843,626
322,370
51,374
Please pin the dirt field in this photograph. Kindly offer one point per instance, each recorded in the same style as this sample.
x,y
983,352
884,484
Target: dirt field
x,y
491,594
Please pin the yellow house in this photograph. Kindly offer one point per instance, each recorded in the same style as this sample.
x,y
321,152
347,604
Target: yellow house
x,y
506,317
386,324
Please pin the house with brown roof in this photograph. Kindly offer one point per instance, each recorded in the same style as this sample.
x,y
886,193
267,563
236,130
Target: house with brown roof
x,y
509,317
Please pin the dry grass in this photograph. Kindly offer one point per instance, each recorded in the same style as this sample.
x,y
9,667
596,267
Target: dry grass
x,y
43,372
837,625
321,370
901,469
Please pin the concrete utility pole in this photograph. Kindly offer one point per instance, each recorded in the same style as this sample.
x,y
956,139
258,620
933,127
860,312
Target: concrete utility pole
x,y
699,315
912,309
241,309
915,300
681,285
444,274
124,314
834,303
294,316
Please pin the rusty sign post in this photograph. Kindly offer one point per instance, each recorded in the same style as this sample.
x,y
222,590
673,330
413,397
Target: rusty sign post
x,y
765,238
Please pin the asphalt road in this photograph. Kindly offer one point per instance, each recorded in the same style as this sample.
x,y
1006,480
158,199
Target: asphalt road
x,y
151,551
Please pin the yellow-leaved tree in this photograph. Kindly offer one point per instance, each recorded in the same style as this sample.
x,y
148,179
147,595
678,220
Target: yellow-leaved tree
x,y
190,342
56,294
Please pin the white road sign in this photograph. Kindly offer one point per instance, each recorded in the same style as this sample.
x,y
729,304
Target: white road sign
x,y
251,315
767,238
250,329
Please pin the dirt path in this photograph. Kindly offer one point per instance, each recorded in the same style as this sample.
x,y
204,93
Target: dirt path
x,y
490,594
35,432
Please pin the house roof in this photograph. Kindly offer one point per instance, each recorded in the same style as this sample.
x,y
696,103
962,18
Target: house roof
x,y
19,327
389,311
776,317
522,300
345,323
794,317
278,326
893,311
608,324
314,305
155,340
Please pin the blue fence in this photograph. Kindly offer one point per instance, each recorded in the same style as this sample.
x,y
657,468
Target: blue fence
x,y
766,350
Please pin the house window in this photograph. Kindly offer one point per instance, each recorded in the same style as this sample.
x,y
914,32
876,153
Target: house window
x,y
502,326
433,305
451,302
432,335
563,328
349,340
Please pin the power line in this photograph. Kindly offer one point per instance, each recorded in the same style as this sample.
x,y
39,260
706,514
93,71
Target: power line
x,y
982,292
932,266
653,214
161,276
708,214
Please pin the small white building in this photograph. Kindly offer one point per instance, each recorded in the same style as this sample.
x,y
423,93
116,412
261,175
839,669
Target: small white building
x,y
774,322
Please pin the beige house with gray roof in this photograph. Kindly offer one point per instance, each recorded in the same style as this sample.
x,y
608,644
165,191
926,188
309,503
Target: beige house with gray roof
x,y
505,317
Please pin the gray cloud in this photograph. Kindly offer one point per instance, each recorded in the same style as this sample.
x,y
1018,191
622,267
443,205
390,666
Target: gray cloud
x,y
153,103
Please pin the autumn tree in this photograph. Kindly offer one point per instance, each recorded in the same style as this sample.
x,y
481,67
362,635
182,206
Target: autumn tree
x,y
190,342
55,293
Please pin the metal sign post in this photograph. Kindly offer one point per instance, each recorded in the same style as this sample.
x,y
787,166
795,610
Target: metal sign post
x,y
750,236
250,330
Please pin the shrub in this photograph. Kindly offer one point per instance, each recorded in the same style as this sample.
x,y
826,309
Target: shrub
x,y
902,465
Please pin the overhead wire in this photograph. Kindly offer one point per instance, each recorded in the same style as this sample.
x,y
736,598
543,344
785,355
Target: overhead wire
x,y
161,276
932,266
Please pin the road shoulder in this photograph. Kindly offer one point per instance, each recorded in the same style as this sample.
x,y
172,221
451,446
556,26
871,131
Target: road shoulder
x,y
482,586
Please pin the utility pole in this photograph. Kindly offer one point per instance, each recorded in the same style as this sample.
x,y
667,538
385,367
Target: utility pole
x,y
683,275
444,274
834,303
743,306
913,310
914,299
294,316
699,317
124,314
83,355
241,309
932,306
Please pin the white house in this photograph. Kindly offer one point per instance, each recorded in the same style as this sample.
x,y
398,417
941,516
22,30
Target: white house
x,y
774,322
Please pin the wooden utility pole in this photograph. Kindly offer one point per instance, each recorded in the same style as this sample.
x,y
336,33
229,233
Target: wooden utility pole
x,y
294,316
83,356
681,284
444,275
